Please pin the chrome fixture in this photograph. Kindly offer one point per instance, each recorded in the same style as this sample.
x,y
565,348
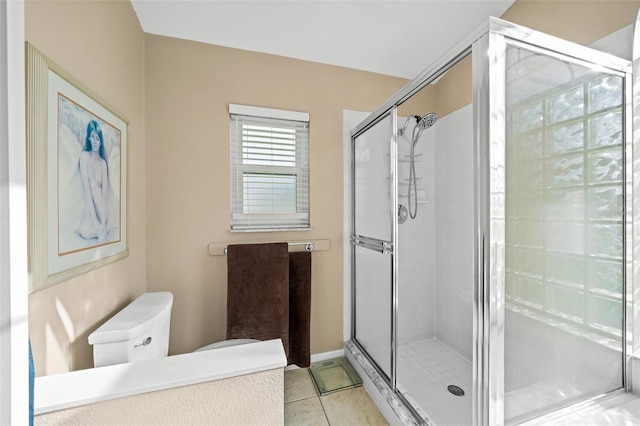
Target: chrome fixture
x,y
422,123
402,213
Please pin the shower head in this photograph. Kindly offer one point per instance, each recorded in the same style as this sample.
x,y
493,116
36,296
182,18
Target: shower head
x,y
422,123
427,120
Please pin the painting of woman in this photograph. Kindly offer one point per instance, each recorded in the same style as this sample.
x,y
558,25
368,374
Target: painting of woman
x,y
76,150
94,172
88,180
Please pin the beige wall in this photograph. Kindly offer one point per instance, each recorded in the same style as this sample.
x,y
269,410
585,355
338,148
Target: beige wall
x,y
189,87
578,21
101,44
453,90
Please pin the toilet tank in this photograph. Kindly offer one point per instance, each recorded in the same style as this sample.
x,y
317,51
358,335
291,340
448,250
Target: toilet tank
x,y
138,332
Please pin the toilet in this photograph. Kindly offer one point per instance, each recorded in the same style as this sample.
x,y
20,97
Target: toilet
x,y
226,344
140,331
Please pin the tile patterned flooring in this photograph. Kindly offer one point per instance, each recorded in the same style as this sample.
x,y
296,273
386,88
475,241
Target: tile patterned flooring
x,y
430,367
304,406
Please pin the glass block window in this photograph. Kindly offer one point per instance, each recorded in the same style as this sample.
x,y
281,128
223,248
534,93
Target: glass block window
x,y
269,169
564,217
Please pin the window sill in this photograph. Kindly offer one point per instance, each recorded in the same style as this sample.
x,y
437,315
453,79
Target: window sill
x,y
234,231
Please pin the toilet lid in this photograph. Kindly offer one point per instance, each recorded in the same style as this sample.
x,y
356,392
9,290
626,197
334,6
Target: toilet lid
x,y
136,318
226,344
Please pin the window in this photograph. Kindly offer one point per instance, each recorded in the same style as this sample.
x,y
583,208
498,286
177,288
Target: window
x,y
269,169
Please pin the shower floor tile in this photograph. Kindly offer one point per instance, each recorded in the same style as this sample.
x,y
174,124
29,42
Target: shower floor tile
x,y
425,369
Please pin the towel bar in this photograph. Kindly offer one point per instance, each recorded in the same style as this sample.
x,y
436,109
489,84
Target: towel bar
x,y
307,246
220,249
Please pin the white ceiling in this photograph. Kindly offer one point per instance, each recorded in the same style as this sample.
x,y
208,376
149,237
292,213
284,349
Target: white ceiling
x,y
398,38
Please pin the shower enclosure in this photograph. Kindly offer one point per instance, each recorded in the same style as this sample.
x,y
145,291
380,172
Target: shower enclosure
x,y
491,249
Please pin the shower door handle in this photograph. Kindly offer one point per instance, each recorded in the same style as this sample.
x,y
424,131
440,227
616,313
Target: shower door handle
x,y
381,246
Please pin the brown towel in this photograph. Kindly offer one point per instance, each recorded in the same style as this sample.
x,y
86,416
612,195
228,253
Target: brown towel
x,y
258,292
299,309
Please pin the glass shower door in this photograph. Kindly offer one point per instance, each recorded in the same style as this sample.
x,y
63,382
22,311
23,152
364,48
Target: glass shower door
x,y
372,238
557,154
564,232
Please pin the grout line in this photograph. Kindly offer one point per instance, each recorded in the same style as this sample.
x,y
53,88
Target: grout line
x,y
313,383
300,399
324,411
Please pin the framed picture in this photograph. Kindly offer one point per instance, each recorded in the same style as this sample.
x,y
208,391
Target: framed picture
x,y
76,176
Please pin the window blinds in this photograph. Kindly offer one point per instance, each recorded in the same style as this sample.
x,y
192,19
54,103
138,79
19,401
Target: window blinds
x,y
269,169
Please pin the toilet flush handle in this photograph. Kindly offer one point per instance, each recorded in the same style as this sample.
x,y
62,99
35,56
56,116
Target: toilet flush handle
x,y
145,342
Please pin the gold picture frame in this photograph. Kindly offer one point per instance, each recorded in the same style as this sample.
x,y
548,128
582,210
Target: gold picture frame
x,y
77,166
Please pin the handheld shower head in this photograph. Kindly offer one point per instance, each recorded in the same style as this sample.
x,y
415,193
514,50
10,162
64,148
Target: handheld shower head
x,y
427,120
424,122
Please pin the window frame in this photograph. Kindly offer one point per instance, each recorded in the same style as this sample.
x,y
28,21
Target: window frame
x,y
242,221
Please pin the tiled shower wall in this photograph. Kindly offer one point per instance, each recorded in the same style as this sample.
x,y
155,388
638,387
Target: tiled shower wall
x,y
416,241
436,249
454,241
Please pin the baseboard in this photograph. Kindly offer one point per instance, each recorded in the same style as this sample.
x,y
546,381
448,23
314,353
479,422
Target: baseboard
x,y
323,356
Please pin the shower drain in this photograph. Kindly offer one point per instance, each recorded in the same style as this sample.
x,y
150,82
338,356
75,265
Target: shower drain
x,y
456,390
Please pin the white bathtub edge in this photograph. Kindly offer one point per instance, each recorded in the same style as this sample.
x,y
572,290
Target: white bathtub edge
x,y
60,391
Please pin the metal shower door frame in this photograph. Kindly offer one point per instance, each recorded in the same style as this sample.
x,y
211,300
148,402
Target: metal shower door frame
x,y
488,45
382,246
489,104
389,108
